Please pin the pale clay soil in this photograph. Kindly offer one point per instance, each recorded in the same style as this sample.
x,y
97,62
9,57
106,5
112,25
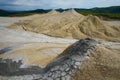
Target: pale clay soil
x,y
39,49
33,48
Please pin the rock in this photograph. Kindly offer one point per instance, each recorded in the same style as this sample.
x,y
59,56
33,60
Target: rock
x,y
57,79
49,79
67,77
63,78
77,63
63,73
67,69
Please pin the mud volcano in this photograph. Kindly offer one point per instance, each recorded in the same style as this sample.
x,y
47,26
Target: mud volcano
x,y
64,67
84,60
70,24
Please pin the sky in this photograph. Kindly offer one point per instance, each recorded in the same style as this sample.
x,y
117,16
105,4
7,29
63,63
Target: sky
x,y
54,4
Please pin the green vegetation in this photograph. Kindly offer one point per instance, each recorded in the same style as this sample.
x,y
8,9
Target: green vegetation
x,y
108,12
111,15
106,15
21,13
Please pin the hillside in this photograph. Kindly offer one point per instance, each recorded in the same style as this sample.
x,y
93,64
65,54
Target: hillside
x,y
112,12
70,24
5,13
112,9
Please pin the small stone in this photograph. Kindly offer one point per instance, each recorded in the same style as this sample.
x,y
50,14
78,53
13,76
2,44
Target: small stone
x,y
58,73
61,68
50,74
63,78
72,62
65,66
67,69
63,73
79,67
49,79
87,57
90,50
77,63
56,67
37,76
67,77
55,74
76,58
44,77
73,71
70,72
75,66
52,69
57,79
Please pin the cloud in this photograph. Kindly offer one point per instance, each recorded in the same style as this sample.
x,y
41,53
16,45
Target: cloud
x,y
47,4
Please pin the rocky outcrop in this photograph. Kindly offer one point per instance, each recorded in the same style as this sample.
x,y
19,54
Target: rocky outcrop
x,y
67,64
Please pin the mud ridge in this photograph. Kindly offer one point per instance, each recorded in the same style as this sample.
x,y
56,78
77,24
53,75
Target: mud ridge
x,y
66,64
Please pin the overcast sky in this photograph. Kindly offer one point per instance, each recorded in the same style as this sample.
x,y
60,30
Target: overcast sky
x,y
53,4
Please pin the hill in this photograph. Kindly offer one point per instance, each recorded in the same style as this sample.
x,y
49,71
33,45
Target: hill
x,y
112,12
70,24
112,9
86,59
22,13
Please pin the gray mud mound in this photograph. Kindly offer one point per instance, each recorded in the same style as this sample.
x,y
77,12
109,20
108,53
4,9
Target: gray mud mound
x,y
86,59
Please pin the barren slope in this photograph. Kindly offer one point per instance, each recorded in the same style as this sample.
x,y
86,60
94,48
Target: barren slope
x,y
103,64
32,48
86,59
70,24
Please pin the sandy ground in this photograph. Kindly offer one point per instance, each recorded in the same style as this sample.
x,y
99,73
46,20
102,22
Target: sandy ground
x,y
70,24
39,49
9,35
32,48
117,22
6,21
35,53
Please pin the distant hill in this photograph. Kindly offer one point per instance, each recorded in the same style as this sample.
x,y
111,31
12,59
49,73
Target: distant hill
x,y
112,12
112,9
108,12
22,13
4,13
